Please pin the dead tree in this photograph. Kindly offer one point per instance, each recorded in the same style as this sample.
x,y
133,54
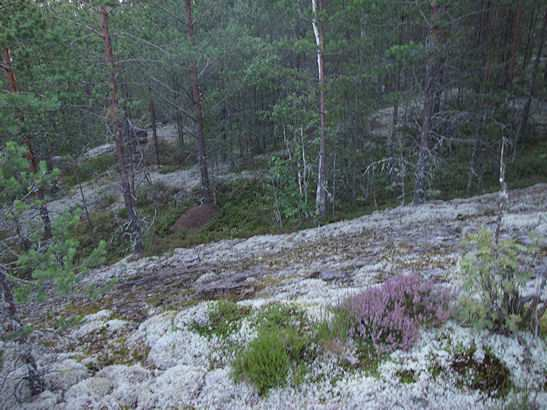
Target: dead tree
x,y
118,121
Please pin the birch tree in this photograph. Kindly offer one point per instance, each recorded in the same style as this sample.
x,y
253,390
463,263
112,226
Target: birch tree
x,y
318,31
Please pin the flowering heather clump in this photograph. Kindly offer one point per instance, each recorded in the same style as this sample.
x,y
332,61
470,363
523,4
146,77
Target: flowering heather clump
x,y
389,316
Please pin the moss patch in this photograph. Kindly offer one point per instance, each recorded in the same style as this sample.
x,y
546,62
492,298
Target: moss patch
x,y
490,375
224,318
406,376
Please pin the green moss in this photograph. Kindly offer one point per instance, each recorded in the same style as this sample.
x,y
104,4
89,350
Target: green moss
x,y
116,352
490,376
88,169
406,376
281,316
224,319
369,358
105,226
63,323
543,326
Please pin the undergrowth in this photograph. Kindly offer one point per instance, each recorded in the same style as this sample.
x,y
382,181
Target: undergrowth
x,y
224,318
282,351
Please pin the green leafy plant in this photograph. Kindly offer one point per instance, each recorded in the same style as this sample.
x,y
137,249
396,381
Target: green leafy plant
x,y
18,184
495,275
288,202
57,261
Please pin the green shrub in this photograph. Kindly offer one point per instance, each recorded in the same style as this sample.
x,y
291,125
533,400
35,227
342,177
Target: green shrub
x,y
283,347
265,362
59,262
494,278
339,327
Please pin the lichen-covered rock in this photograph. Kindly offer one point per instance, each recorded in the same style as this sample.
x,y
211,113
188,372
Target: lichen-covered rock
x,y
176,388
220,392
46,400
179,347
62,375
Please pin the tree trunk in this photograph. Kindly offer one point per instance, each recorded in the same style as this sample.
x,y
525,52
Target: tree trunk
x,y
152,109
515,43
9,303
12,84
206,193
118,122
430,91
321,195
523,125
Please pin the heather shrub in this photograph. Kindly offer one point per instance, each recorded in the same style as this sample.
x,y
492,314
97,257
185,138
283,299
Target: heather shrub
x,y
280,353
389,316
495,277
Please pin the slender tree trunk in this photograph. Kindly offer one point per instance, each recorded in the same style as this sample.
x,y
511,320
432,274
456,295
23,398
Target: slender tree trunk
x,y
152,109
321,195
198,109
529,35
515,43
430,91
12,84
523,125
118,121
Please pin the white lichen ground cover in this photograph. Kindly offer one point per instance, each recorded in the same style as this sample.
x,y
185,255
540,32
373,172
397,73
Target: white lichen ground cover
x,y
186,370
163,362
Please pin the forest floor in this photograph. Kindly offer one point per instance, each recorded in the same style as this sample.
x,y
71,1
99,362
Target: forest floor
x,y
138,344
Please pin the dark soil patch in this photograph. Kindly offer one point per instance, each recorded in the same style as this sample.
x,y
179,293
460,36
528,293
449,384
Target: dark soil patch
x,y
195,218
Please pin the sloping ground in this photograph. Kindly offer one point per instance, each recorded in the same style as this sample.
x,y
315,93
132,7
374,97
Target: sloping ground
x,y
106,190
142,350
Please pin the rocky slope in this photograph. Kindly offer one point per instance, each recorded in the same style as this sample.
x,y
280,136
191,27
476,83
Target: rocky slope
x,y
138,346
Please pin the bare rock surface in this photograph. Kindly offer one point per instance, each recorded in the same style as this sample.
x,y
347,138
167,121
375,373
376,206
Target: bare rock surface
x,y
157,358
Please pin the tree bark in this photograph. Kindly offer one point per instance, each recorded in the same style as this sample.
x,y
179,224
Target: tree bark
x,y
321,194
206,193
152,109
515,43
430,91
118,122
523,124
12,84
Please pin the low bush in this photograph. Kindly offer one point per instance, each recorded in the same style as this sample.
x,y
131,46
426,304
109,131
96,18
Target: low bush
x,y
495,277
389,316
283,348
265,362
